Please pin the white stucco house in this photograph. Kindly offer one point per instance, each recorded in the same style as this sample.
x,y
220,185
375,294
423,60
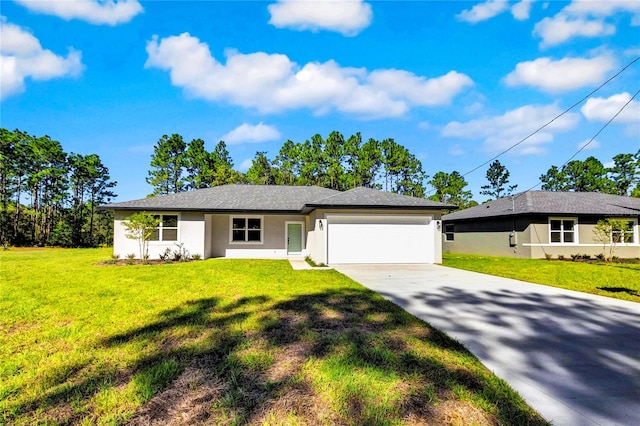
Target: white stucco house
x,y
361,225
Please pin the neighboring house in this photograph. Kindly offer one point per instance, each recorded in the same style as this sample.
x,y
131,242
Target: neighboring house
x,y
361,225
534,223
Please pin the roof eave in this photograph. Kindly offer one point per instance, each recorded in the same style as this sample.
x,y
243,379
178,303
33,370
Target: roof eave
x,y
376,206
199,210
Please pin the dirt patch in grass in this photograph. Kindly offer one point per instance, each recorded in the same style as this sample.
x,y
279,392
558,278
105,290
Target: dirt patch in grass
x,y
187,401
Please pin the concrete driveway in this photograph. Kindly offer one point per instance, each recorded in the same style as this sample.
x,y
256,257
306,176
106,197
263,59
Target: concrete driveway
x,y
574,357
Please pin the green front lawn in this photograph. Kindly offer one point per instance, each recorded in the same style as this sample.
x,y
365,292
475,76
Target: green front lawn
x,y
225,342
619,280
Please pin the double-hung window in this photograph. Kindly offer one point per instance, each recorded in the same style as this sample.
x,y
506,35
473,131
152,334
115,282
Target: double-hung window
x,y
624,234
563,231
449,234
246,230
167,229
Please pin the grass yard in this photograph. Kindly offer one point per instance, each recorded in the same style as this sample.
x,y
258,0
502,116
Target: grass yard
x,y
618,280
225,342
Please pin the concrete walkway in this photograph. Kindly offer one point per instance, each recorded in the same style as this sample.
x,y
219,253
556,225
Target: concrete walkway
x,y
574,357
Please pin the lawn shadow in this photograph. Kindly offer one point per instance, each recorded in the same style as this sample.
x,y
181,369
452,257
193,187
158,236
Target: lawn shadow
x,y
356,330
214,361
580,349
620,290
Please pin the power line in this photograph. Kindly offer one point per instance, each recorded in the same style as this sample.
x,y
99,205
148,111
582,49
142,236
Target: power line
x,y
623,69
556,117
592,139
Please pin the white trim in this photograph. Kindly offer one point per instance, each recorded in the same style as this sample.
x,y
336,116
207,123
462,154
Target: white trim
x,y
576,245
231,217
286,237
634,229
242,253
576,236
165,242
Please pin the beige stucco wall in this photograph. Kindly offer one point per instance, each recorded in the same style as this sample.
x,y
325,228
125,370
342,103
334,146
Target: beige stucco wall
x,y
586,242
191,232
492,238
274,243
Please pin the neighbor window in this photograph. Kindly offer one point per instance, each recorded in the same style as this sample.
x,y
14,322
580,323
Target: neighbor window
x,y
167,230
562,231
625,234
246,229
448,232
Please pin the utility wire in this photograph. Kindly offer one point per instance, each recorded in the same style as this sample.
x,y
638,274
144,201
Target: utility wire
x,y
557,117
592,139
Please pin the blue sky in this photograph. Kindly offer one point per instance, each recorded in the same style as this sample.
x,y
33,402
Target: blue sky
x,y
456,82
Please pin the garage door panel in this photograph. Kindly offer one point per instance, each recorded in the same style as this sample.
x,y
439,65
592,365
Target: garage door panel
x,y
404,240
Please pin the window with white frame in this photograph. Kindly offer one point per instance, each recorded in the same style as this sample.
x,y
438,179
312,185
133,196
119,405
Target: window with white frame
x,y
246,230
449,234
167,229
563,231
625,233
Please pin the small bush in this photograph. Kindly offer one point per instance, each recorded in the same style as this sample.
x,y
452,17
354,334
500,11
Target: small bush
x,y
548,256
166,256
586,256
615,259
181,254
561,257
131,258
311,262
575,257
196,256
600,256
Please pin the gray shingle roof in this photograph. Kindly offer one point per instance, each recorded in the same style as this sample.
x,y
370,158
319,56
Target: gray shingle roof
x,y
368,197
556,203
273,198
231,198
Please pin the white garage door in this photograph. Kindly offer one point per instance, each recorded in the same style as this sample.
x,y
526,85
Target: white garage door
x,y
380,239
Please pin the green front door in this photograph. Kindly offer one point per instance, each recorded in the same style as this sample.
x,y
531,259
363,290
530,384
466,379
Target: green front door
x,y
294,238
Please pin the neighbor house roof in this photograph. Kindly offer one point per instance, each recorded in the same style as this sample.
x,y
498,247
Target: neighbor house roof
x,y
554,203
273,198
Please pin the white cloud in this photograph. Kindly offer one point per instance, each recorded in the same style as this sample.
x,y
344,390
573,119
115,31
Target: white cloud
x,y
245,165
502,131
522,10
561,28
483,11
347,17
100,12
589,146
22,57
561,75
603,109
272,82
584,18
457,150
248,133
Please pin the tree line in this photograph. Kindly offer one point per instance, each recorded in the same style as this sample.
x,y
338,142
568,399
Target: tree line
x,y
50,197
335,162
590,175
